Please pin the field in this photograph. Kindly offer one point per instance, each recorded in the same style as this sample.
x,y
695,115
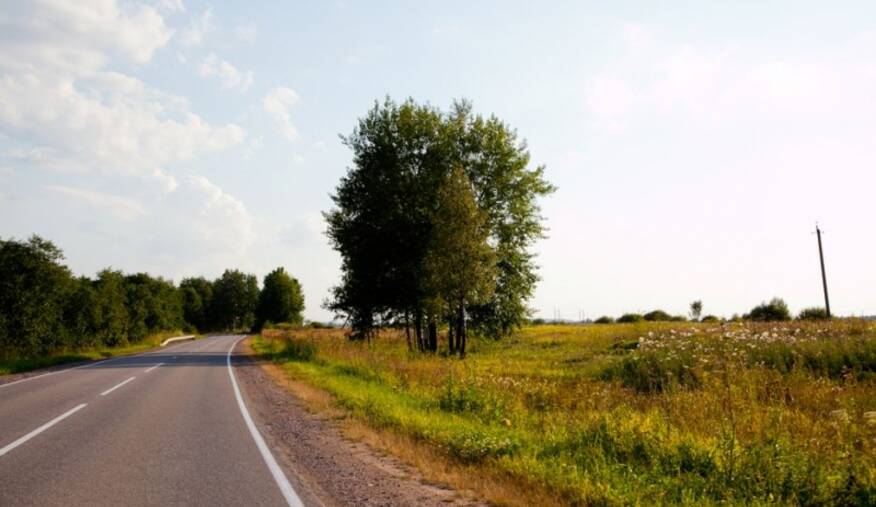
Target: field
x,y
737,413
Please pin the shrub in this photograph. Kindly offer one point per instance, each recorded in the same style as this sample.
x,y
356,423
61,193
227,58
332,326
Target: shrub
x,y
650,373
814,313
605,319
710,318
656,316
537,322
678,318
630,317
776,309
298,350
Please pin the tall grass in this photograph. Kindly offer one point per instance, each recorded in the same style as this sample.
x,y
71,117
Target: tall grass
x,y
627,413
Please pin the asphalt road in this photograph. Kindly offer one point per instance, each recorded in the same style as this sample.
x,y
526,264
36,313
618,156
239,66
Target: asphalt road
x,y
168,427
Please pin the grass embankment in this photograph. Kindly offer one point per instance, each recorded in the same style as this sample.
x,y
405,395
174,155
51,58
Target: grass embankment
x,y
19,365
627,413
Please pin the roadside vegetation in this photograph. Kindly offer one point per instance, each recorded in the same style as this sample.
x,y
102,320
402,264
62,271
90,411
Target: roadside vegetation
x,y
48,316
640,413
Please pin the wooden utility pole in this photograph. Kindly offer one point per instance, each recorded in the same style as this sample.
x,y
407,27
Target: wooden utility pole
x,y
823,275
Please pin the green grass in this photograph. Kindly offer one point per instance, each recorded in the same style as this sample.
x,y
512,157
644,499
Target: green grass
x,y
19,365
641,413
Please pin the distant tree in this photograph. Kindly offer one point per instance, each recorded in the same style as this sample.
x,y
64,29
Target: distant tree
x,y
657,316
814,313
153,304
696,309
629,318
605,319
33,289
709,318
776,309
235,297
280,300
113,319
197,297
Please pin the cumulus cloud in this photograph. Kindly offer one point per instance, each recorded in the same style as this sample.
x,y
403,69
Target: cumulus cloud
x,y
278,104
59,99
231,78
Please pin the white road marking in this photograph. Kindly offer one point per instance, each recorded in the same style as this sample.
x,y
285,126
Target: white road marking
x,y
152,368
279,477
111,389
41,429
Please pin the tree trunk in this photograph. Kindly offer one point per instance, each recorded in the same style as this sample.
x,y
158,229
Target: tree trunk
x,y
433,335
451,345
418,326
408,331
461,330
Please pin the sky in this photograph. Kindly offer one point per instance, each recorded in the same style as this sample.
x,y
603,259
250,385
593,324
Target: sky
x,y
694,144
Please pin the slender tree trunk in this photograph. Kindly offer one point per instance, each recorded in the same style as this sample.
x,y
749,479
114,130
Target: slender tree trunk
x,y
451,345
461,331
433,335
408,331
418,326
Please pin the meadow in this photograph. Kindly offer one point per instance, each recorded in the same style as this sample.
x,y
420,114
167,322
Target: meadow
x,y
644,413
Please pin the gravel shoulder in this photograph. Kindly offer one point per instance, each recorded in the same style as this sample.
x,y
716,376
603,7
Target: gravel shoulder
x,y
329,469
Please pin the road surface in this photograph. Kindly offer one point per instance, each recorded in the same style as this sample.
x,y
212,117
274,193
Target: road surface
x,y
168,427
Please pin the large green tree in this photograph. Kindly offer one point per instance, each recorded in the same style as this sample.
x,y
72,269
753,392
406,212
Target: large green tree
x,y
33,290
235,296
280,300
385,213
197,298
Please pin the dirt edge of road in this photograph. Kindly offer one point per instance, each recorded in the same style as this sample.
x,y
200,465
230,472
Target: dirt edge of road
x,y
335,460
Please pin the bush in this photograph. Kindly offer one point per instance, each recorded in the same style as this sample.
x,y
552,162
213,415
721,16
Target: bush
x,y
678,318
776,309
630,317
710,318
537,322
650,373
656,316
605,319
814,313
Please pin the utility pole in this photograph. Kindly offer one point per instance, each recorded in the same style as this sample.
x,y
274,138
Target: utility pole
x,y
823,275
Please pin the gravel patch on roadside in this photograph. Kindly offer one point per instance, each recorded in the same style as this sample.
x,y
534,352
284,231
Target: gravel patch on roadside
x,y
324,467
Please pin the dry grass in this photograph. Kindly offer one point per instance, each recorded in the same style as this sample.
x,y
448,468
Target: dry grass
x,y
632,413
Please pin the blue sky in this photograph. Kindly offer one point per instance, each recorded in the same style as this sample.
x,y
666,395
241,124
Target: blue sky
x,y
694,144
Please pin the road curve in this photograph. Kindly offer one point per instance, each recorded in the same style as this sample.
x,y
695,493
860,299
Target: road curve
x,y
168,427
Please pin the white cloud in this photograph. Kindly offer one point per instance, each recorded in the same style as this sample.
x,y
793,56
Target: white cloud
x,y
68,111
199,27
246,32
278,104
230,77
121,207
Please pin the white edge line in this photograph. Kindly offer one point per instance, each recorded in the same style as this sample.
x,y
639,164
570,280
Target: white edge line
x,y
152,368
88,365
41,429
120,384
288,492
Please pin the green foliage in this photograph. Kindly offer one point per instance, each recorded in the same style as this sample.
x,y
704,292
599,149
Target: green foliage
x,y
386,223
815,313
605,319
709,318
775,310
657,316
280,300
653,372
696,309
197,301
630,318
235,297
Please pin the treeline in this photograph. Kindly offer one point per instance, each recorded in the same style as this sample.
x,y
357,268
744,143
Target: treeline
x,y
774,310
45,309
433,223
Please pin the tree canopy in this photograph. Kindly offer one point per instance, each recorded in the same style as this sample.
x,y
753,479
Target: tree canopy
x,y
417,173
280,300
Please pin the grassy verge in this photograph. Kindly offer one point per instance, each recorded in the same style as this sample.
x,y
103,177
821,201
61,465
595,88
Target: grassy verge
x,y
20,365
621,414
